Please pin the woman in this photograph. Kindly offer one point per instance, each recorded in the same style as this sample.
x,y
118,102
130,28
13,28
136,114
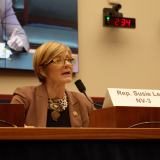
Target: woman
x,y
50,104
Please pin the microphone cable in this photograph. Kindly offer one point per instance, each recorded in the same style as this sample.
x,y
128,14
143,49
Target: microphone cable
x,y
12,125
138,124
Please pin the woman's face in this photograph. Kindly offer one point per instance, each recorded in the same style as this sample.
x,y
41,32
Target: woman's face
x,y
59,75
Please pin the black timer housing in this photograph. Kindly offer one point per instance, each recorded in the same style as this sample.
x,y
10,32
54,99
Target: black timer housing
x,y
112,18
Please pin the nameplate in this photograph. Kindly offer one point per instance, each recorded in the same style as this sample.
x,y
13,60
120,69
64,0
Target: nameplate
x,y
131,97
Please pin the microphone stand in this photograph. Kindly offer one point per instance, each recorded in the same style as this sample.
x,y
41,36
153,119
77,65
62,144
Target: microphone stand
x,y
90,100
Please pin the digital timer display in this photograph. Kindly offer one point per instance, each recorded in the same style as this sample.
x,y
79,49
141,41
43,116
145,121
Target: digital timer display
x,y
119,22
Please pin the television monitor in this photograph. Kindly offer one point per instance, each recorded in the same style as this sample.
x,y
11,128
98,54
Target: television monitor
x,y
43,18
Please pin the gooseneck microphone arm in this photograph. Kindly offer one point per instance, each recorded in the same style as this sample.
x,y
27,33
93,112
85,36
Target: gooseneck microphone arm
x,y
91,101
82,89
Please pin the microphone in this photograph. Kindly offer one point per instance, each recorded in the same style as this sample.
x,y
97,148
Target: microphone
x,y
80,86
82,89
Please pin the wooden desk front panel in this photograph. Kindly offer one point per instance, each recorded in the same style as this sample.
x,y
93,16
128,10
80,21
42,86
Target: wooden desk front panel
x,y
78,133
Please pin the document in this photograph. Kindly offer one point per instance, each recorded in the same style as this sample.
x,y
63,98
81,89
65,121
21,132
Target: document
x,y
4,53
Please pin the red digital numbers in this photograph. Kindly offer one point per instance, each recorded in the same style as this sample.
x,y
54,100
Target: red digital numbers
x,y
117,21
128,22
123,22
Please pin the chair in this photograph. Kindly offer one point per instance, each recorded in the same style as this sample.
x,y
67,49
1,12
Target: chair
x,y
51,20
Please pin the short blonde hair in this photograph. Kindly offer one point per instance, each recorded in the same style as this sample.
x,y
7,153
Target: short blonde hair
x,y
45,53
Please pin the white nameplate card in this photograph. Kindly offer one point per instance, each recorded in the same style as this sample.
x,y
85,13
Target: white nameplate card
x,y
131,97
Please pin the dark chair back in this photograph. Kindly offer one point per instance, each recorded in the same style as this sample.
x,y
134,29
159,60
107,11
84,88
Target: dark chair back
x,y
56,9
53,12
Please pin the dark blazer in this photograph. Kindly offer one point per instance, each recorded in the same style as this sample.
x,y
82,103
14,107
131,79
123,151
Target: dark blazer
x,y
9,21
35,100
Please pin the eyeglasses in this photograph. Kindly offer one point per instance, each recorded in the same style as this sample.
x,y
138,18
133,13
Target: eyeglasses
x,y
60,62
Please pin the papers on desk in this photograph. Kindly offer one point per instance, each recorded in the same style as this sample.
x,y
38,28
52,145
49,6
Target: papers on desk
x,y
2,50
4,53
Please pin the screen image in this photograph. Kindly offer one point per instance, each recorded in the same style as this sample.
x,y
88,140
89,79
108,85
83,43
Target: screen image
x,y
36,22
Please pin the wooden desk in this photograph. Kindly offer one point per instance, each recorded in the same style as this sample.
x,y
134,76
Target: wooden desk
x,y
78,133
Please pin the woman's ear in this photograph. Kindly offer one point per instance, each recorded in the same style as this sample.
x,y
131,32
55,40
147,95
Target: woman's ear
x,y
40,69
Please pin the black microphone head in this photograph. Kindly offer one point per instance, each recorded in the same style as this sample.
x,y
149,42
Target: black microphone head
x,y
80,86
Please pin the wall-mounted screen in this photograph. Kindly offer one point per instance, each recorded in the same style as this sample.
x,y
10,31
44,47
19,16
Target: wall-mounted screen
x,y
35,22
